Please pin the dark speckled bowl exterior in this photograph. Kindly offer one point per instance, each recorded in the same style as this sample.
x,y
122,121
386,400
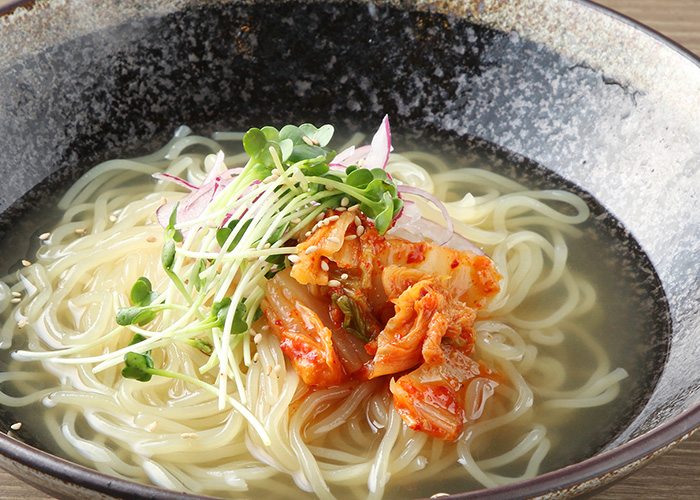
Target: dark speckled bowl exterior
x,y
589,95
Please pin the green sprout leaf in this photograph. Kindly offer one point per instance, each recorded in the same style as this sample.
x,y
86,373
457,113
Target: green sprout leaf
x,y
141,312
197,269
373,189
142,293
315,149
170,231
219,310
167,256
314,169
257,143
278,233
359,178
278,260
382,220
239,324
258,314
254,141
223,234
138,366
136,339
135,315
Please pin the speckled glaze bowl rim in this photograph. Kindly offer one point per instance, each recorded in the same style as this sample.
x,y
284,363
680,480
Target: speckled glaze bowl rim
x,y
579,478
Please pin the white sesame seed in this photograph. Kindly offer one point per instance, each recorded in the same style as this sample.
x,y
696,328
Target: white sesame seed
x,y
44,236
278,370
16,300
307,233
333,239
151,239
353,208
79,231
345,201
311,250
189,435
16,294
16,426
334,283
360,230
350,237
268,370
22,323
308,141
340,209
324,265
358,221
267,245
258,338
275,171
296,220
265,328
361,162
211,223
333,218
294,258
26,263
344,276
152,426
113,218
320,216
256,357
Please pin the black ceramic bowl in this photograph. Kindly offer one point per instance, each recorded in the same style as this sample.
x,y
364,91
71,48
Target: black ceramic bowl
x,y
557,83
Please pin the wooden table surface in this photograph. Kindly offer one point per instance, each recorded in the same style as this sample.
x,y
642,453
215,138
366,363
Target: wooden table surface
x,y
676,475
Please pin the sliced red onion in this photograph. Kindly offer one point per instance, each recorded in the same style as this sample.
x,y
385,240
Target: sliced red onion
x,y
380,148
431,198
411,225
375,155
175,180
164,212
350,156
214,171
342,156
419,230
409,214
232,172
193,205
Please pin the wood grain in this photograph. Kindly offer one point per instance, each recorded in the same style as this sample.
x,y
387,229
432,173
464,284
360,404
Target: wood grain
x,y
678,20
675,475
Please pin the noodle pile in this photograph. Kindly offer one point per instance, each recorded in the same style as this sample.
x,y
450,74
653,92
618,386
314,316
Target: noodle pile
x,y
346,441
